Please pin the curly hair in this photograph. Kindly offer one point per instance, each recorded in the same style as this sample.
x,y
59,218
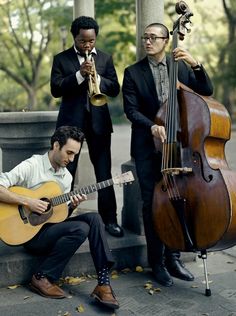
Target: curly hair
x,y
63,133
85,23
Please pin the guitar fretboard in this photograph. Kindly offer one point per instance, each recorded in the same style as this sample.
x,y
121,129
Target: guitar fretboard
x,y
60,199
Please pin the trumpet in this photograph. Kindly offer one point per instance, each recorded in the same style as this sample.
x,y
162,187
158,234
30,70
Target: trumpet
x,y
96,97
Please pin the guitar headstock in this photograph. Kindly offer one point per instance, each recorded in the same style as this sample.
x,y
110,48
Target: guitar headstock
x,y
124,178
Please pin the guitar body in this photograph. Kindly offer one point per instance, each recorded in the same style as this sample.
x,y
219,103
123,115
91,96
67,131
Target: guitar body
x,y
18,224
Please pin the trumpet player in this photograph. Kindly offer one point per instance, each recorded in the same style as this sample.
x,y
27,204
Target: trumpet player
x,y
83,76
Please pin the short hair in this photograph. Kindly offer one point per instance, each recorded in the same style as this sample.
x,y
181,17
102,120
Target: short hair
x,y
63,133
85,23
163,28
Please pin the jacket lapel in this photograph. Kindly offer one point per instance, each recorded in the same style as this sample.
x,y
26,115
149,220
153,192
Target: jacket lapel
x,y
72,56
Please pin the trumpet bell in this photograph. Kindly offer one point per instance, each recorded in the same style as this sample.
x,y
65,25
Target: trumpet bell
x,y
98,99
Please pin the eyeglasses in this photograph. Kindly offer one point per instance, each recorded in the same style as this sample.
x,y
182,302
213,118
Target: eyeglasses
x,y
152,39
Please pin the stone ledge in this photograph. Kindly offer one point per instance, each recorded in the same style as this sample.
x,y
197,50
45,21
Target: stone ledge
x,y
16,265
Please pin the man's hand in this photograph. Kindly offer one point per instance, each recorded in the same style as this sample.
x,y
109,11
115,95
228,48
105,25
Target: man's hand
x,y
77,199
36,205
182,54
159,132
86,68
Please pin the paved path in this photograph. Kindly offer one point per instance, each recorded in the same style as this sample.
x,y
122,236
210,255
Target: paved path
x,y
182,299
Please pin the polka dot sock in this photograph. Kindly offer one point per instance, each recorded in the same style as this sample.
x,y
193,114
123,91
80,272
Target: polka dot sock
x,y
103,276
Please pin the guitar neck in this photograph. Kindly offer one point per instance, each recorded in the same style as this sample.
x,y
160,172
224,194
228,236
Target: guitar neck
x,y
60,199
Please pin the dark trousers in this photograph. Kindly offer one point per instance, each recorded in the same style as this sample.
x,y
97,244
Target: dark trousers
x,y
58,243
148,172
99,147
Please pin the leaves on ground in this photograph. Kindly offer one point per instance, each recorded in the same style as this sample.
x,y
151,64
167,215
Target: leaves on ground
x,y
139,269
13,287
80,308
114,274
74,280
151,289
126,270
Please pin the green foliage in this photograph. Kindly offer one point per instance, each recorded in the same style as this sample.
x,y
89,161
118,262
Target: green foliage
x,y
27,30
30,36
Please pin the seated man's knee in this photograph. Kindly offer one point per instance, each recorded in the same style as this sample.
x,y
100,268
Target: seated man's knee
x,y
95,218
82,230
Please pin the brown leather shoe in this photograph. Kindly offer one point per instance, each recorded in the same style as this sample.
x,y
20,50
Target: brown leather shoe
x,y
105,295
45,288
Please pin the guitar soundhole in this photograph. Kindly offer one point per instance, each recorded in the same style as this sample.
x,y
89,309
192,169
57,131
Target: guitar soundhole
x,y
38,219
49,203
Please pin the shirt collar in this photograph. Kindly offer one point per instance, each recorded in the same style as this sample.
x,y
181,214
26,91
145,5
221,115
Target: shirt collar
x,y
93,51
155,63
47,166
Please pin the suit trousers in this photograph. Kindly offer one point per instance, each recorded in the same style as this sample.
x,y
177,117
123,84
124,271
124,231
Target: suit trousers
x,y
58,243
99,147
148,172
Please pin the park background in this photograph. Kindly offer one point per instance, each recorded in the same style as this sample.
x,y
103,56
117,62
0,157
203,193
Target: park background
x,y
33,31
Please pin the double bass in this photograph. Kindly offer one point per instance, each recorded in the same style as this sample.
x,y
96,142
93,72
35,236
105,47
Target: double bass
x,y
194,204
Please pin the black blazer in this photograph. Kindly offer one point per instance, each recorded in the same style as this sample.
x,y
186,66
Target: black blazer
x,y
74,97
141,102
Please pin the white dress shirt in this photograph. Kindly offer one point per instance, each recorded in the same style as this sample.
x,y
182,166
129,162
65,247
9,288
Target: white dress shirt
x,y
33,172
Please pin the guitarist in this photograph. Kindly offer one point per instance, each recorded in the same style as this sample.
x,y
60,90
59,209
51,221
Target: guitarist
x,y
59,241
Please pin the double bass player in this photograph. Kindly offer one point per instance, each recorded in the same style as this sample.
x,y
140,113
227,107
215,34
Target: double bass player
x,y
145,88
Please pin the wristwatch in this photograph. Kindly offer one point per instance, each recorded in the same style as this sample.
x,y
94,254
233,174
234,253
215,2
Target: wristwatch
x,y
197,67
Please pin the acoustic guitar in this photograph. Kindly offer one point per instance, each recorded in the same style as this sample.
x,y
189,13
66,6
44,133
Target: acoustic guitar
x,y
18,224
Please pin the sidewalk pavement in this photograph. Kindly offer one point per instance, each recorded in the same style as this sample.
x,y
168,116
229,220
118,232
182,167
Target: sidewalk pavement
x,y
182,299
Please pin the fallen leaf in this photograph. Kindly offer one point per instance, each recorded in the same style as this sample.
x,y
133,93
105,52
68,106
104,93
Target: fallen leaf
x,y
139,269
230,262
80,308
67,314
26,297
157,289
151,292
194,286
148,286
114,272
126,270
13,287
74,280
115,276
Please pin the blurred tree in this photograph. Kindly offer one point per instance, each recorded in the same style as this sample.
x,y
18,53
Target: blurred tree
x,y
26,33
30,36
226,77
117,20
214,46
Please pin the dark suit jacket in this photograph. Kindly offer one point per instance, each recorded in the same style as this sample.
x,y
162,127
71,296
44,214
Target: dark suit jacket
x,y
74,97
141,102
